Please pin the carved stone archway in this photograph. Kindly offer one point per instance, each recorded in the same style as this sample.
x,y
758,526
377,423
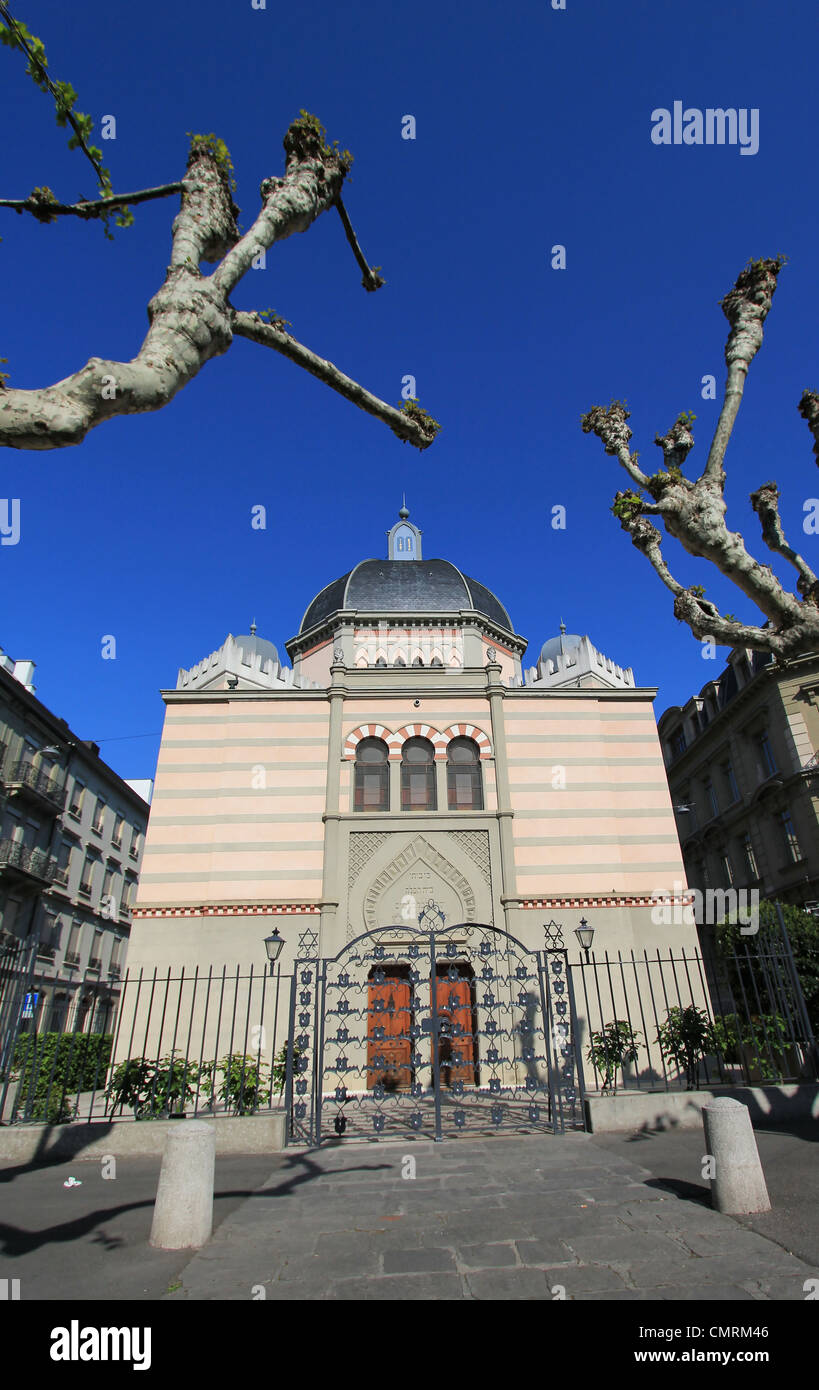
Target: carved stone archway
x,y
419,850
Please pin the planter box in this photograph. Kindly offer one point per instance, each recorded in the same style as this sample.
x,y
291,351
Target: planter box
x,y
254,1134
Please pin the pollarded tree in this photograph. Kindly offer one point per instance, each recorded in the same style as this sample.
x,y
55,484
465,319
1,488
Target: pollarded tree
x,y
693,509
191,318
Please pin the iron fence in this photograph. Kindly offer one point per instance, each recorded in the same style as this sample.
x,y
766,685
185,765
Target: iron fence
x,y
204,1042
667,1021
215,1041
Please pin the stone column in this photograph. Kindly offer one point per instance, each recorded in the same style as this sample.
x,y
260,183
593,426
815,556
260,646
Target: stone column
x,y
331,879
441,784
495,693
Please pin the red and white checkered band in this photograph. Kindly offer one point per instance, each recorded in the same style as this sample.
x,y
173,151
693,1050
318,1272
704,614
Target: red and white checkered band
x,y
470,731
230,910
353,739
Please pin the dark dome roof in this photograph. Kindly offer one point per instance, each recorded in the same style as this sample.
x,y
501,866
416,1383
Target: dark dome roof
x,y
405,586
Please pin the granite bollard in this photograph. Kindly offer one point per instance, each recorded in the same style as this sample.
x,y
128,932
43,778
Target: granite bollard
x,y
183,1211
738,1182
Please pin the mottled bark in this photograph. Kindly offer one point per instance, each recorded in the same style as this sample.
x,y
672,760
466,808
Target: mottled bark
x,y
191,318
693,510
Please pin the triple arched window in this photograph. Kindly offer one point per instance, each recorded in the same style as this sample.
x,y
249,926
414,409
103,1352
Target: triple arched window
x,y
418,776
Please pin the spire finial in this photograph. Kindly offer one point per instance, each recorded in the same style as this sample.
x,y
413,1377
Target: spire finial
x,y
562,627
402,511
253,628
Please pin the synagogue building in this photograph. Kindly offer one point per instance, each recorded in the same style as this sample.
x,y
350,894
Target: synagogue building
x,y
409,753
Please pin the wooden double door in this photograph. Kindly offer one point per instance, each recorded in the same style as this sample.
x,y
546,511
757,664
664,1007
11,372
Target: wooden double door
x,y
391,1016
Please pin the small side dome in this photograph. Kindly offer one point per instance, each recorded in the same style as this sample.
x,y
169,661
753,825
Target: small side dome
x,y
563,645
254,646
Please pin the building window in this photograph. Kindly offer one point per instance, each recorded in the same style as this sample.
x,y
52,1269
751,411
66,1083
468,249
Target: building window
x,y
99,816
135,841
87,879
417,661
677,743
372,776
76,799
727,869
789,833
730,782
72,953
119,822
711,795
463,775
418,776
766,757
749,856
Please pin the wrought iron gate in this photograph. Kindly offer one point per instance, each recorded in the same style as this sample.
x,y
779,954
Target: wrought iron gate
x,y
436,1031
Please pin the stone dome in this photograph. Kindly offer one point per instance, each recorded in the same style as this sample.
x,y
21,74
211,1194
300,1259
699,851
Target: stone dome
x,y
562,645
396,586
255,646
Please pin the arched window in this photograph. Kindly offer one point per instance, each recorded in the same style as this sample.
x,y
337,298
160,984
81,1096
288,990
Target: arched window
x,y
418,776
372,776
463,775
436,661
399,660
380,661
417,661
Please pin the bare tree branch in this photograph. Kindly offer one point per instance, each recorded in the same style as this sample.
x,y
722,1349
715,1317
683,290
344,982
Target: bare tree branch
x,y
404,426
809,410
191,317
45,210
765,503
372,280
694,510
746,308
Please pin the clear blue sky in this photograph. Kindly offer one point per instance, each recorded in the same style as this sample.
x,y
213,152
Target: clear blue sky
x,y
533,128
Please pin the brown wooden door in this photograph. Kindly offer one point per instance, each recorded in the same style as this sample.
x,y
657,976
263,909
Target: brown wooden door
x,y
388,1034
456,1053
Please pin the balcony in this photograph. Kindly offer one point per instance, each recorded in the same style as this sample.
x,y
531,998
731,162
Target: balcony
x,y
25,780
33,867
95,963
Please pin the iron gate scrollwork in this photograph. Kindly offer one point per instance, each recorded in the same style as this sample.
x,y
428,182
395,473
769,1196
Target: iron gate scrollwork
x,y
434,1031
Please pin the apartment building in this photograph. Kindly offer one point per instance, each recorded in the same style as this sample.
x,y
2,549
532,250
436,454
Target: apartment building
x,y
743,772
71,838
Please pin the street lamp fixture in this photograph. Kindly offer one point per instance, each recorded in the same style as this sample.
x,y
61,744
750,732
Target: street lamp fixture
x,y
274,945
585,935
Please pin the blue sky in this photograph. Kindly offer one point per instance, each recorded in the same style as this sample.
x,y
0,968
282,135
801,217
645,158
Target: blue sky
x,y
533,129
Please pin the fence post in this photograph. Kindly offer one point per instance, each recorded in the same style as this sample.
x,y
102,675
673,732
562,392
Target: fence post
x,y
738,1183
183,1212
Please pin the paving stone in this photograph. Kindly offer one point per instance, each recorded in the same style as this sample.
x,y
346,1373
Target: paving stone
x,y
623,1246
684,1293
582,1279
509,1284
486,1256
431,1288
544,1252
790,1288
703,1271
418,1261
728,1239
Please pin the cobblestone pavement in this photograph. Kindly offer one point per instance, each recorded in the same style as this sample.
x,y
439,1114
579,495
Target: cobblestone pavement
x,y
517,1218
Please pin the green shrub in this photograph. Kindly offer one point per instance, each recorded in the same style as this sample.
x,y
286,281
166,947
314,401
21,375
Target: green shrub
x,y
153,1089
615,1044
686,1037
51,1066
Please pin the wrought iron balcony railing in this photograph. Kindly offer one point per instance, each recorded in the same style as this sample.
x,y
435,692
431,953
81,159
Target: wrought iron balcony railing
x,y
24,777
20,859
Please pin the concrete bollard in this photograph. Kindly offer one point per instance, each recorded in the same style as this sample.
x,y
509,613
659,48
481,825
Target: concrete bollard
x,y
738,1182
183,1211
